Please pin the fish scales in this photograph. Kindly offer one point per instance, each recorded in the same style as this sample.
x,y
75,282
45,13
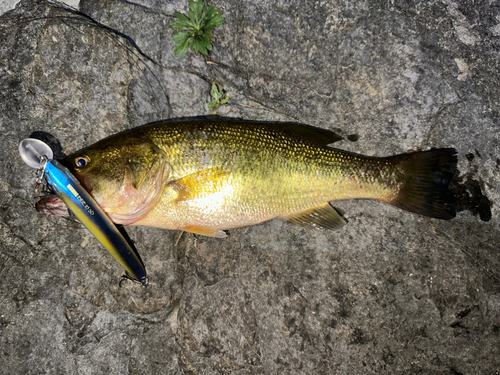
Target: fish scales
x,y
207,175
256,157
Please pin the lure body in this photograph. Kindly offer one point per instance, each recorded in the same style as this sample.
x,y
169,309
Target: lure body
x,y
79,201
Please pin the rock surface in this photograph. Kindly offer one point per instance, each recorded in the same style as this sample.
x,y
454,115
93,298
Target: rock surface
x,y
391,293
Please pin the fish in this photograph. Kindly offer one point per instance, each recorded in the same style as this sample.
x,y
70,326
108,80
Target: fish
x,y
208,175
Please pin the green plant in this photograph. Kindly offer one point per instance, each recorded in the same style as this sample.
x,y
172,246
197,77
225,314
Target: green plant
x,y
195,29
217,95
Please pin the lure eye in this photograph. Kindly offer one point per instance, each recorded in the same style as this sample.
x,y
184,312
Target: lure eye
x,y
82,161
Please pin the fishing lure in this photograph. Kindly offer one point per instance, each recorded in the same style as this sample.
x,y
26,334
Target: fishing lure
x,y
38,155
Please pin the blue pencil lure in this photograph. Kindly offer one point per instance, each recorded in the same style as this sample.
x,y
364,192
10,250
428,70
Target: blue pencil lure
x,y
38,155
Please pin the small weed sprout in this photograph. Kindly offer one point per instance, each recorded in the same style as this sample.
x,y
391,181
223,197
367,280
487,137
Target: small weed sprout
x,y
217,102
195,29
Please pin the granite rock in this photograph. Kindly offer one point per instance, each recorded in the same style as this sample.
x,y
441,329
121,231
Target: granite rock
x,y
390,293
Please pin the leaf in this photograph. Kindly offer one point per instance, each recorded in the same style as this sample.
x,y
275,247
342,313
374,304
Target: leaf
x,y
181,16
217,95
190,42
197,7
192,16
180,51
181,48
196,45
180,37
217,21
206,38
177,25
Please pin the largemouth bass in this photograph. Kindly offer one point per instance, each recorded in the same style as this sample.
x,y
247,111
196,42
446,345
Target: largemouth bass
x,y
207,175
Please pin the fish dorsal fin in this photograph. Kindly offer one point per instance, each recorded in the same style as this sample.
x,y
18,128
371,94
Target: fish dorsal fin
x,y
320,136
200,184
323,217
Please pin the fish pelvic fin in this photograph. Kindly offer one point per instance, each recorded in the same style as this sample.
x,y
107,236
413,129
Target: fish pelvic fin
x,y
427,175
323,217
209,232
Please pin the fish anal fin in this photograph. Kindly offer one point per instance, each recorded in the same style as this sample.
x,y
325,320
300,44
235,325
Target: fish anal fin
x,y
205,231
322,217
200,184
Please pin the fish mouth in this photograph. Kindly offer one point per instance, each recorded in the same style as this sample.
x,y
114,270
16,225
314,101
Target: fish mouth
x,y
52,205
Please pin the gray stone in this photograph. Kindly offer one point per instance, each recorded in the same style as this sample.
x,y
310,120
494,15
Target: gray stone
x,y
390,293
7,5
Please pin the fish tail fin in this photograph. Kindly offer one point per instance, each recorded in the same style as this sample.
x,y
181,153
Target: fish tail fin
x,y
427,175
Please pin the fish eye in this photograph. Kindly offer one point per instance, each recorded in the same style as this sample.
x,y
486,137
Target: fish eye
x,y
82,161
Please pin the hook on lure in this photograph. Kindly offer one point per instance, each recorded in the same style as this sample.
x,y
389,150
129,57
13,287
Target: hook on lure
x,y
38,154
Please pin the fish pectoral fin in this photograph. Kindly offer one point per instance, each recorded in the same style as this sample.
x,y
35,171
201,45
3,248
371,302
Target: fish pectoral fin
x,y
206,232
200,184
323,217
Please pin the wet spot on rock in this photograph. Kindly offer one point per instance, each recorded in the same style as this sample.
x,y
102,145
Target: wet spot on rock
x,y
469,197
357,337
290,289
496,329
464,313
387,356
294,317
353,137
459,329
211,347
342,295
